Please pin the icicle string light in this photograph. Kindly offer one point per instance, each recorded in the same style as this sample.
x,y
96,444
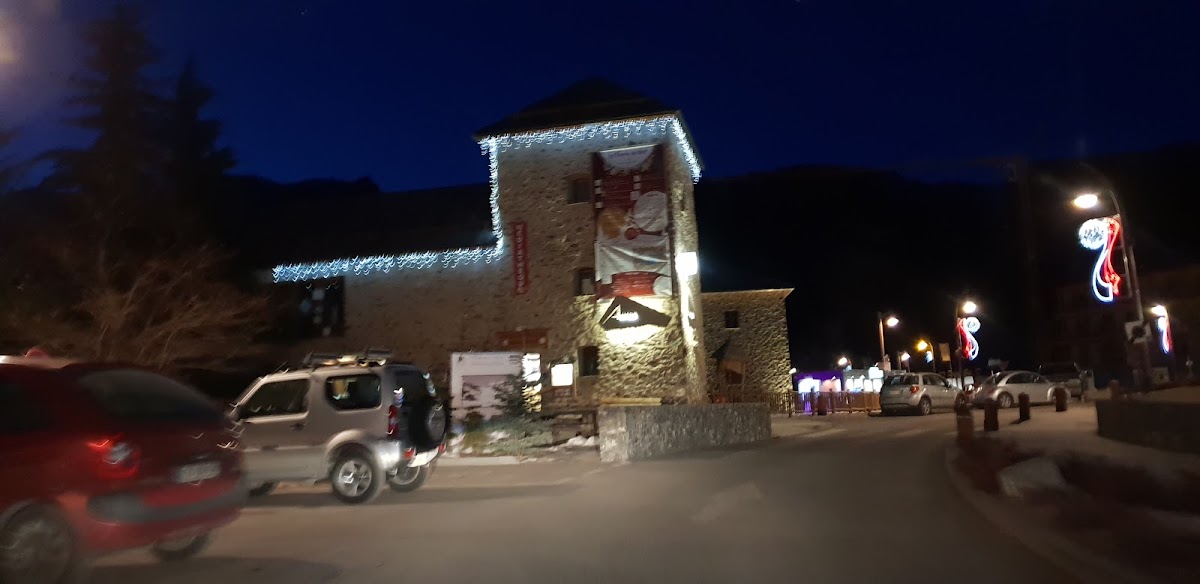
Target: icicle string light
x,y
491,147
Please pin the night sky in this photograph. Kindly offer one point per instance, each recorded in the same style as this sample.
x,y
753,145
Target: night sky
x,y
394,89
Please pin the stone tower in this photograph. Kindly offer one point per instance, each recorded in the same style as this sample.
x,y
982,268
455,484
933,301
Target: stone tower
x,y
593,189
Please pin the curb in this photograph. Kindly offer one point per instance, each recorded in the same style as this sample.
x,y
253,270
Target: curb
x,y
1078,561
478,461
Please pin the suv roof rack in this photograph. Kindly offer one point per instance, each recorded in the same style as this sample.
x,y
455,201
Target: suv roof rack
x,y
368,357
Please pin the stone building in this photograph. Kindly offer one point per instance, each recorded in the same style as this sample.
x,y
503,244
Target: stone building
x,y
530,283
746,334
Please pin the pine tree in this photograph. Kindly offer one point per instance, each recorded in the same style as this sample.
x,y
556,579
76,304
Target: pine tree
x,y
122,167
196,165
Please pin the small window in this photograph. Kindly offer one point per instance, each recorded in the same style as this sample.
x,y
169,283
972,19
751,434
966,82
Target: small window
x,y
18,413
733,371
579,189
585,282
353,392
279,398
589,361
731,319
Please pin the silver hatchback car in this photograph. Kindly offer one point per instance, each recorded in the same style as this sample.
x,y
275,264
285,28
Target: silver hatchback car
x,y
358,421
1003,388
917,392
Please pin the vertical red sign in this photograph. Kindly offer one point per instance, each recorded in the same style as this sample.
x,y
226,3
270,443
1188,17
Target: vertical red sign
x,y
520,258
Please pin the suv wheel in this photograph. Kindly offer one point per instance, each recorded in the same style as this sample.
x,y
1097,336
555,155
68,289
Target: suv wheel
x,y
37,546
355,477
410,478
924,407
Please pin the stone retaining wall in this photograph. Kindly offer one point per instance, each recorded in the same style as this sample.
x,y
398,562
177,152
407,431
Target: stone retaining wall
x,y
1166,426
639,432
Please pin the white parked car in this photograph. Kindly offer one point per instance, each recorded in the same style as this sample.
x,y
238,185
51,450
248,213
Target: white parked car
x,y
915,392
1003,388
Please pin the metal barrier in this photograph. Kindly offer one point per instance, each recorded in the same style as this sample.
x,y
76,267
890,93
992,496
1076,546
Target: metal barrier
x,y
828,402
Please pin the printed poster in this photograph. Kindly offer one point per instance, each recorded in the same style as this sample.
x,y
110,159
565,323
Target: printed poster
x,y
633,243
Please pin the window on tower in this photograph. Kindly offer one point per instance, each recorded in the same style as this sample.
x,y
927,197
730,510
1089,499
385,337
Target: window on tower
x,y
579,189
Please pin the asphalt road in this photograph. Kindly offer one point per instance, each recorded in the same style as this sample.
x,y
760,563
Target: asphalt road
x,y
862,500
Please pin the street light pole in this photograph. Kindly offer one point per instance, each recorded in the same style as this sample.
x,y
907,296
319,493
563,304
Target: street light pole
x,y
891,322
1126,242
882,349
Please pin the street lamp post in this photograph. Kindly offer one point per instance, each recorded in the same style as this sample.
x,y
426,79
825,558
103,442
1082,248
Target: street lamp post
x,y
891,322
1089,200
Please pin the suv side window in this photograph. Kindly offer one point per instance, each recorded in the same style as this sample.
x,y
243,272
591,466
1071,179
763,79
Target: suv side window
x,y
935,380
353,392
277,398
19,413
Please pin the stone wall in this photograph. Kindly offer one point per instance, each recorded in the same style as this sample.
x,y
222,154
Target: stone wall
x,y
639,432
760,340
424,315
1166,426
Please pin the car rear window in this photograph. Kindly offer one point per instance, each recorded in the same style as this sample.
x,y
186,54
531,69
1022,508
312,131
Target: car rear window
x,y
411,383
131,394
900,380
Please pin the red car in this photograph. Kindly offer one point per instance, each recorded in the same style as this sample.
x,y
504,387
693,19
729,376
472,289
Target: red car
x,y
102,458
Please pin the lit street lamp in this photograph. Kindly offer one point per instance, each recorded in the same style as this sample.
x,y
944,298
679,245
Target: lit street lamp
x,y
890,322
1086,200
969,307
922,345
904,357
1158,310
842,361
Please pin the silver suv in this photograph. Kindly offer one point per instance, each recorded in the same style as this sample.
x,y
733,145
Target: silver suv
x,y
359,421
918,392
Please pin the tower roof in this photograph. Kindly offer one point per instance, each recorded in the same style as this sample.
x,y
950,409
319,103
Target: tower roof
x,y
591,100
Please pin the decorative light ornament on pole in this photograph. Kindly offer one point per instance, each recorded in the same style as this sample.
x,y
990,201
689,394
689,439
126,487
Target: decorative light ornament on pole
x,y
967,327
1165,342
491,146
1101,235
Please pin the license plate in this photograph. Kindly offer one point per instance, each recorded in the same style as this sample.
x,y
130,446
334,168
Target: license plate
x,y
200,471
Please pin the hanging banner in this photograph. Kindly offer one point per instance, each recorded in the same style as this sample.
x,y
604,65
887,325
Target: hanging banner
x,y
633,243
520,258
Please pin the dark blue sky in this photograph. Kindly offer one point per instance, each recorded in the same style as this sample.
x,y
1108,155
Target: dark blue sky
x,y
393,89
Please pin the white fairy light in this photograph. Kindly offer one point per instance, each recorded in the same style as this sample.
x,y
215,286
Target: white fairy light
x,y
491,147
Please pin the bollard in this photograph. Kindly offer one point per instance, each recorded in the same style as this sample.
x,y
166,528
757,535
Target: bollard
x,y
1023,406
1060,399
966,426
822,405
991,417
1114,390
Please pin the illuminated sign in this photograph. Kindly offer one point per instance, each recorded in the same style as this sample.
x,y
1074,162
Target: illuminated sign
x,y
1100,235
626,313
967,327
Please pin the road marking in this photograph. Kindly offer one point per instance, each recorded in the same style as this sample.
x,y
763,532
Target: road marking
x,y
824,433
725,500
910,432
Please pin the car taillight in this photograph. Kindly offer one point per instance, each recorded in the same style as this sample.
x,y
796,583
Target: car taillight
x,y
914,389
115,457
393,420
